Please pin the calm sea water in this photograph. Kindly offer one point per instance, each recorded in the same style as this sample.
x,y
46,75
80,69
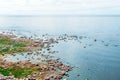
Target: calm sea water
x,y
99,60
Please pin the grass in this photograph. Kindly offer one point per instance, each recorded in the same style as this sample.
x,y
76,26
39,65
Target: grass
x,y
17,71
9,46
6,41
19,45
5,72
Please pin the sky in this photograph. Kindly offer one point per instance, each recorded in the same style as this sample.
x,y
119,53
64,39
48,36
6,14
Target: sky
x,y
57,7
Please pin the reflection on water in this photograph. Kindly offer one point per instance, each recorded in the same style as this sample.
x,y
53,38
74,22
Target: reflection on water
x,y
95,57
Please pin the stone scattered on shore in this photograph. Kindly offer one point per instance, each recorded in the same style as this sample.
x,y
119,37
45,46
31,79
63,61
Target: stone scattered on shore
x,y
45,70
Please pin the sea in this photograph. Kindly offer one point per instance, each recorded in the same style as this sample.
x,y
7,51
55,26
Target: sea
x,y
95,57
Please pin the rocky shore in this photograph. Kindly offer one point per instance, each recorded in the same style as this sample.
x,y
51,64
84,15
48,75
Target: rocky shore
x,y
42,67
47,69
53,69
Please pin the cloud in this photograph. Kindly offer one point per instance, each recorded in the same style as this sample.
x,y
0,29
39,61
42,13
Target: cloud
x,y
34,7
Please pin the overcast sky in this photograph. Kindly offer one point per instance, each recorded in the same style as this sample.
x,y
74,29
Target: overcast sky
x,y
38,7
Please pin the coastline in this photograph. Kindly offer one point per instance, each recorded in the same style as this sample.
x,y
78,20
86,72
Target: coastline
x,y
45,70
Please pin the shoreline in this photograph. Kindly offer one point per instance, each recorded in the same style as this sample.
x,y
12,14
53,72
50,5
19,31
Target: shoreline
x,y
48,69
41,55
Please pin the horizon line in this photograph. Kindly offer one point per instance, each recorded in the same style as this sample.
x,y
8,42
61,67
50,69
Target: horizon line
x,y
59,15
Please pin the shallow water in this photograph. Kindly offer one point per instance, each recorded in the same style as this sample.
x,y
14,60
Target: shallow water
x,y
92,60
